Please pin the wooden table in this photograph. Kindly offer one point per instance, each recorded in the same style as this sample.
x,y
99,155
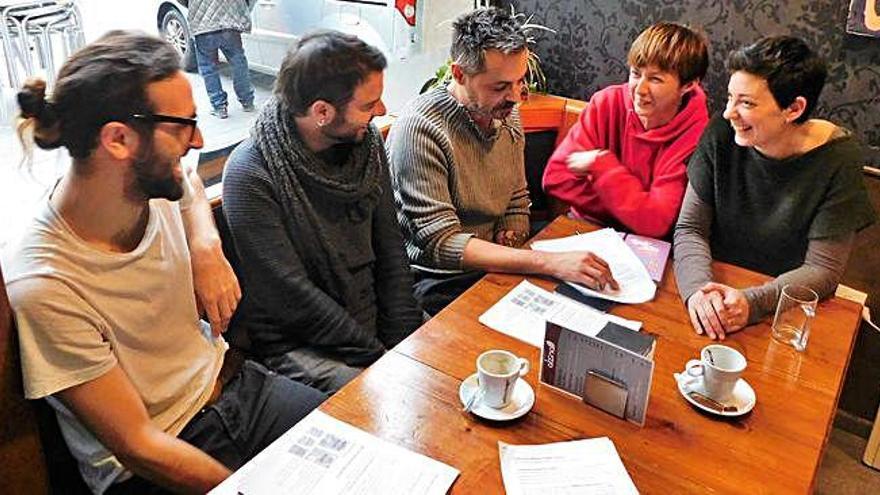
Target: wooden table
x,y
410,397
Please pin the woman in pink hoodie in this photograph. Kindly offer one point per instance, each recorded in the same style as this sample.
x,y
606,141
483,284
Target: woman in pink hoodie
x,y
623,163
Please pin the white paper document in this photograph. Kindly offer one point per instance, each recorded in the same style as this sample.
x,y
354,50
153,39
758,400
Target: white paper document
x,y
635,282
582,467
324,456
524,311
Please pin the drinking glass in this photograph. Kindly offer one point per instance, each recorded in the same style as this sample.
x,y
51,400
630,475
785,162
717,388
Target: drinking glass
x,y
794,315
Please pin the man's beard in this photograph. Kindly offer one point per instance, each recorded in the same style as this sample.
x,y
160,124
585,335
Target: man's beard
x,y
154,177
502,110
499,112
335,131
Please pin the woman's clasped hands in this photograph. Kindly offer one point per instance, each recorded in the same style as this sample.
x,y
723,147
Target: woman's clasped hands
x,y
717,310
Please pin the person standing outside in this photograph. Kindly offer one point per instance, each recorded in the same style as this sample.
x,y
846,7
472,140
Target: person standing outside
x,y
217,26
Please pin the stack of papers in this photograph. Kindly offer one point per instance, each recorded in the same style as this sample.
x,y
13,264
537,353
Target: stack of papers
x,y
635,282
582,466
324,456
523,314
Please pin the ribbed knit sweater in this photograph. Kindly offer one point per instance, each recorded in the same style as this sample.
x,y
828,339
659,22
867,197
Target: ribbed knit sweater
x,y
452,182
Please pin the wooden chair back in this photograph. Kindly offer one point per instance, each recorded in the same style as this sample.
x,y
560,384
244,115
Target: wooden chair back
x,y
33,455
540,114
859,396
22,464
570,115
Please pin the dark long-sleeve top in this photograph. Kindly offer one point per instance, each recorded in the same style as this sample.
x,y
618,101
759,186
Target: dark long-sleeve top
x,y
823,265
794,219
282,308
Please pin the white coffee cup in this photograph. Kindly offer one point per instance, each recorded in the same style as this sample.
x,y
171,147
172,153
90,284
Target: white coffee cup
x,y
720,366
497,374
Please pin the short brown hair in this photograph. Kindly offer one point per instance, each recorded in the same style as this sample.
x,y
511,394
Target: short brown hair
x,y
671,47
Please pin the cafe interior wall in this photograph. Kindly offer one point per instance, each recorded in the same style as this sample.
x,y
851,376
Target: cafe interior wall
x,y
588,52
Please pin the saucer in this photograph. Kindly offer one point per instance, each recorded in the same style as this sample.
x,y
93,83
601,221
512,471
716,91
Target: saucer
x,y
743,397
521,402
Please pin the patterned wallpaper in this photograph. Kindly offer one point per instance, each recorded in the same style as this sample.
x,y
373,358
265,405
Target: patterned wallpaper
x,y
593,37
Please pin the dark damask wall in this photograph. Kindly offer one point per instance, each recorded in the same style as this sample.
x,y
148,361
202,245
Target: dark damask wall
x,y
593,37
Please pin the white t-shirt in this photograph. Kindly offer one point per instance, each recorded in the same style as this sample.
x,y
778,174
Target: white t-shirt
x,y
81,310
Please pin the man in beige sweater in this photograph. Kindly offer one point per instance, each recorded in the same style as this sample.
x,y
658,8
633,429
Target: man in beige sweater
x,y
456,156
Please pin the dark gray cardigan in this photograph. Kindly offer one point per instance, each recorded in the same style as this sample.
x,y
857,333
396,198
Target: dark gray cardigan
x,y
282,308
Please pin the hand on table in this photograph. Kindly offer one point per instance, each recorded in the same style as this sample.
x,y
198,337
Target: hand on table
x,y
511,238
582,267
718,309
216,286
579,162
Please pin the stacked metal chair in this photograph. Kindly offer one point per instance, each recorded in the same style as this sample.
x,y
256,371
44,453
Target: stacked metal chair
x,y
31,31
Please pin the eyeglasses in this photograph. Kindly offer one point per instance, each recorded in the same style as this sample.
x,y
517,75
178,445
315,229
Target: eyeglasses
x,y
172,119
193,123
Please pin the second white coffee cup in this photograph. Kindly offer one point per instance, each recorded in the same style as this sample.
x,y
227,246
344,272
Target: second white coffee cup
x,y
497,374
721,367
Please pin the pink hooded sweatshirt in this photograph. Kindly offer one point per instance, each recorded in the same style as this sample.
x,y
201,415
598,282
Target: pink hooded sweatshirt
x,y
640,183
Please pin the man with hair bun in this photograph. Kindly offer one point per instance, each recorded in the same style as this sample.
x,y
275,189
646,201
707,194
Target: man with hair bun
x,y
457,164
623,163
101,285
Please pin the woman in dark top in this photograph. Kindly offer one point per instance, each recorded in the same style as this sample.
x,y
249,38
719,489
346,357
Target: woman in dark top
x,y
769,189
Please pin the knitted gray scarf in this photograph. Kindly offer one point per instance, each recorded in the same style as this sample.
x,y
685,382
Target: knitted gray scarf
x,y
292,166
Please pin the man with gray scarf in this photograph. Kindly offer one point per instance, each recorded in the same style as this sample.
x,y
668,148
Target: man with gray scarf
x,y
309,203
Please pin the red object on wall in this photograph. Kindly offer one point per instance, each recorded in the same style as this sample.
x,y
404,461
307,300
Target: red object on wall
x,y
407,9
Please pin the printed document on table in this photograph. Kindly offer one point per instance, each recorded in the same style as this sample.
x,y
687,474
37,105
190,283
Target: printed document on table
x,y
324,456
584,467
524,311
635,282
